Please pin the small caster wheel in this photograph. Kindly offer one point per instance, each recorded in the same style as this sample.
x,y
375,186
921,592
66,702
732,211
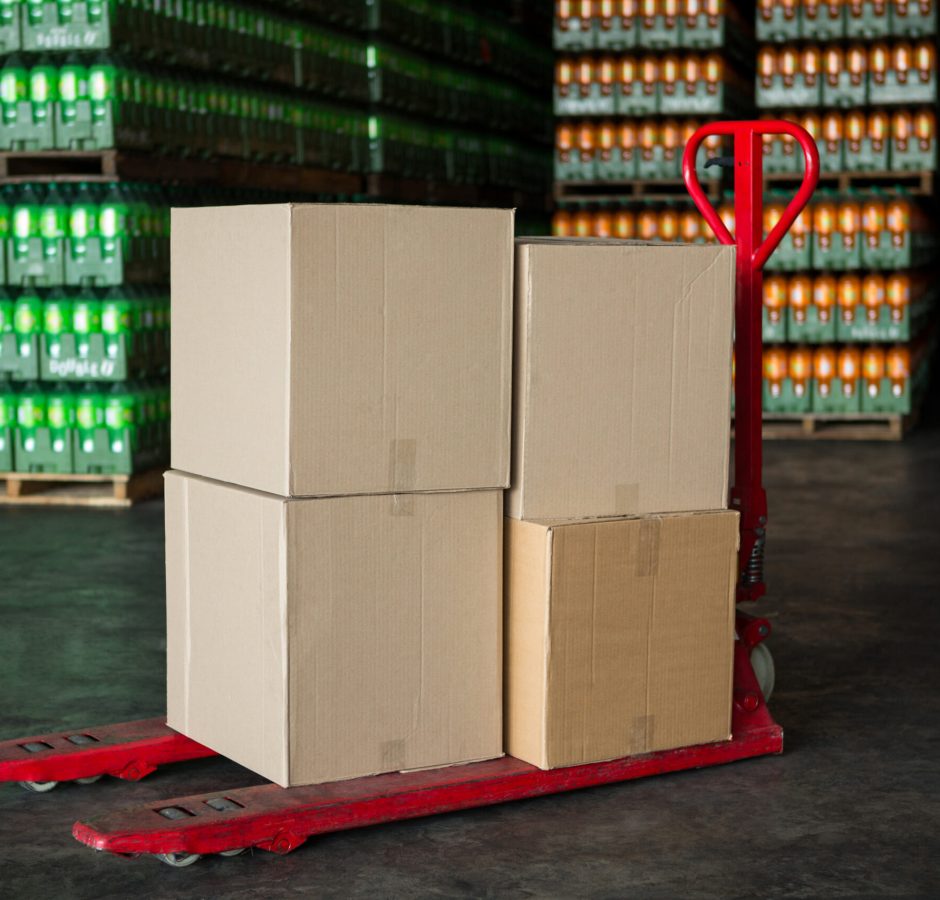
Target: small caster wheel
x,y
178,860
763,664
39,787
91,779
237,852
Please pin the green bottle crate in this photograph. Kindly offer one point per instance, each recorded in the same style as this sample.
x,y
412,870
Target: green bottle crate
x,y
106,452
792,255
37,452
699,32
27,105
700,98
638,99
590,100
657,163
828,23
868,19
616,33
6,445
68,24
778,24
866,155
905,251
19,357
780,157
913,19
884,396
10,25
884,327
777,94
575,165
840,253
913,155
616,164
576,34
838,397
831,156
785,397
891,89
659,32
86,109
845,90
812,327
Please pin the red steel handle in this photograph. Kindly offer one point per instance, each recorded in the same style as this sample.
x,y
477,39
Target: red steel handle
x,y
747,131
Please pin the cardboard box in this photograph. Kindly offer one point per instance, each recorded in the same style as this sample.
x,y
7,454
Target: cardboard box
x,y
322,639
622,378
619,636
333,349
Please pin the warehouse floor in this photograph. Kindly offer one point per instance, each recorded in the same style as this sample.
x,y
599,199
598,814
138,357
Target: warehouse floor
x,y
851,810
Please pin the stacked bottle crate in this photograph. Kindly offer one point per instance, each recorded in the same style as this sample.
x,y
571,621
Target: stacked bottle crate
x,y
633,81
848,301
102,100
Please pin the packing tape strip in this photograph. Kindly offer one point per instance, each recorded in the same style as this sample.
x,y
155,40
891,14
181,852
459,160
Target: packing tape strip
x,y
626,499
393,756
647,552
402,475
641,733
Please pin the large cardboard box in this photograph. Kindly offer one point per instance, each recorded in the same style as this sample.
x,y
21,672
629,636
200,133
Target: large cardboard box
x,y
619,636
332,349
321,639
622,378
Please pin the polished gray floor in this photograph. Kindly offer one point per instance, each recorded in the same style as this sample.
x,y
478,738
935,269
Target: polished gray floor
x,y
850,810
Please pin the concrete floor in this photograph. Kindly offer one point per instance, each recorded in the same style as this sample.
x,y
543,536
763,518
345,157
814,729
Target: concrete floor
x,y
850,810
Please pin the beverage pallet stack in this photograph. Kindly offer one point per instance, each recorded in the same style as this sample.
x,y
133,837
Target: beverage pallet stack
x,y
421,101
849,299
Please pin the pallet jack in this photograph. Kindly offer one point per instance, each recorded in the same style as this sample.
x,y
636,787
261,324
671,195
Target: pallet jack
x,y
180,830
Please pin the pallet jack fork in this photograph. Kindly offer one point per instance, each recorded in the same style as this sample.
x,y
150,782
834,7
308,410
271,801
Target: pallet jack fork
x,y
268,817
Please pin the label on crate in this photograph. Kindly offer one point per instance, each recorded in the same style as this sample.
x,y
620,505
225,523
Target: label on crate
x,y
92,370
67,38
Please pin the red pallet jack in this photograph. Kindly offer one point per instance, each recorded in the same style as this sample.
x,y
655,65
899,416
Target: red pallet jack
x,y
182,829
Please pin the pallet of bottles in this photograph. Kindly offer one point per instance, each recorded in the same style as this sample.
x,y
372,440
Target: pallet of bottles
x,y
879,233
88,429
877,144
813,75
652,24
628,84
832,20
629,150
847,308
99,491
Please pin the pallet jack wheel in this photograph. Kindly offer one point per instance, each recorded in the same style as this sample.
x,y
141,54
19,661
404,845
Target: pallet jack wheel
x,y
237,852
90,780
762,662
39,787
178,860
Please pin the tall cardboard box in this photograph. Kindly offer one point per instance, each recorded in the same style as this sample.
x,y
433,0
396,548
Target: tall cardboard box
x,y
320,639
334,349
622,378
619,636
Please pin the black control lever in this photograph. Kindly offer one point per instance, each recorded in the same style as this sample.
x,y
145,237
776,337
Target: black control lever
x,y
726,162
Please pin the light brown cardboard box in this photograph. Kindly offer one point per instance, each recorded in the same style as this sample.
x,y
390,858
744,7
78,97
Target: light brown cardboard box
x,y
333,349
622,378
619,636
321,639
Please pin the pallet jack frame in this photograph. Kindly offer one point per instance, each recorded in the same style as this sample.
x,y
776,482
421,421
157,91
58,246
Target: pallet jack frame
x,y
268,817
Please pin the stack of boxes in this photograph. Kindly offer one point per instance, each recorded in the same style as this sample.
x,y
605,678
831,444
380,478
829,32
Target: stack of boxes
x,y
334,522
620,552
336,560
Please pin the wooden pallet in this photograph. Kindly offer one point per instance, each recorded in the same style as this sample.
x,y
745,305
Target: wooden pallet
x,y
112,165
109,491
915,183
635,188
837,427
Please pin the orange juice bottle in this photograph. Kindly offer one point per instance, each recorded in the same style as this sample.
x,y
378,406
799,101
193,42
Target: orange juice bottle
x,y
626,139
800,368
605,74
647,225
898,220
562,224
649,73
766,65
879,61
690,226
602,225
775,298
668,225
628,74
583,223
800,296
856,62
849,364
898,368
624,224
898,295
824,369
854,130
775,369
605,139
925,59
849,296
564,76
873,370
850,222
824,222
825,296
874,221
586,141
873,295
584,75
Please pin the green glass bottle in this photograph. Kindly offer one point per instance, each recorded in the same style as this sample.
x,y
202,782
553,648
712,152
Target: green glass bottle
x,y
89,416
53,222
121,415
83,222
30,414
86,322
57,322
27,322
25,221
60,417
117,320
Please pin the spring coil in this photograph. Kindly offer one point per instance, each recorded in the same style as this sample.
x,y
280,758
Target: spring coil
x,y
754,571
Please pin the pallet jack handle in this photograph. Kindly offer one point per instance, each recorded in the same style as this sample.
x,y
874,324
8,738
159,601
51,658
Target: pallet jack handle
x,y
748,496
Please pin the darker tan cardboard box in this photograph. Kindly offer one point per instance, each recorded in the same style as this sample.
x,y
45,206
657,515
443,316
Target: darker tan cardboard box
x,y
321,639
334,349
619,636
622,378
